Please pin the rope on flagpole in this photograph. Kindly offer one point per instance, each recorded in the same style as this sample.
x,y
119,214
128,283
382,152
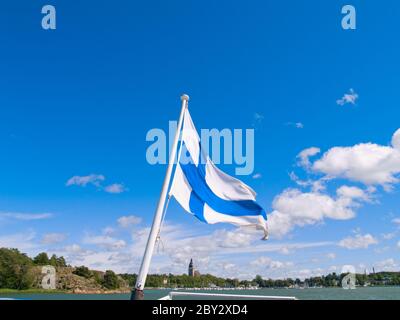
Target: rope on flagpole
x,y
159,241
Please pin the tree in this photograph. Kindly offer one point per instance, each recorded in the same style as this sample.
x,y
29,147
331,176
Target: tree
x,y
259,280
61,262
83,271
24,277
41,259
15,269
110,280
53,260
131,278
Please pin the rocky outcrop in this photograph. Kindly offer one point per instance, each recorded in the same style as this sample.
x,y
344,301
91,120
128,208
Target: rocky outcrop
x,y
67,281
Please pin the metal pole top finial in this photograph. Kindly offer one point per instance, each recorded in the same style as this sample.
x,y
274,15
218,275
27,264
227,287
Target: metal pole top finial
x,y
184,97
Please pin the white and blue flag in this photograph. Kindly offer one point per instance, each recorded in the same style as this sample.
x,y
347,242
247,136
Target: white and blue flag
x,y
209,194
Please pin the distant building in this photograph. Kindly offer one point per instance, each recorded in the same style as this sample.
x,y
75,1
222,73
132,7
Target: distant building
x,y
192,272
191,269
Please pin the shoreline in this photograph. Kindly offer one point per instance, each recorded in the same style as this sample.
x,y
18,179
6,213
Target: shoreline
x,y
108,292
75,291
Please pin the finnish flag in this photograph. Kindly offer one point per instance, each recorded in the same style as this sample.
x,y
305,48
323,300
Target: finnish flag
x,y
209,194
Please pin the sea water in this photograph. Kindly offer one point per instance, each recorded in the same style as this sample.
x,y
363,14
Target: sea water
x,y
363,293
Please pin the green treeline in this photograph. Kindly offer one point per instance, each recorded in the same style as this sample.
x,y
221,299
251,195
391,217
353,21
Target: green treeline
x,y
333,280
184,281
43,260
207,280
108,280
20,272
16,268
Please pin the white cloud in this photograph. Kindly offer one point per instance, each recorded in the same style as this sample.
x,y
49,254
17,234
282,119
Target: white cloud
x,y
398,244
127,221
268,263
396,140
304,156
352,193
281,248
21,241
178,245
297,125
389,236
226,266
104,241
115,188
369,163
74,248
108,231
25,216
257,176
381,250
348,98
52,238
396,221
358,242
296,179
94,179
231,239
285,251
233,246
307,273
316,185
331,256
118,261
386,265
295,208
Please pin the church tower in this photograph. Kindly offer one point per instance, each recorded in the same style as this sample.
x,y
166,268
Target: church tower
x,y
191,269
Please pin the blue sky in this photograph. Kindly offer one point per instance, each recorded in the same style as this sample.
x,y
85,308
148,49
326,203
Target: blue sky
x,y
80,99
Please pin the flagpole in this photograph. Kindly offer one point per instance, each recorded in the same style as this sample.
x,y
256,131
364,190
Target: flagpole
x,y
137,292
